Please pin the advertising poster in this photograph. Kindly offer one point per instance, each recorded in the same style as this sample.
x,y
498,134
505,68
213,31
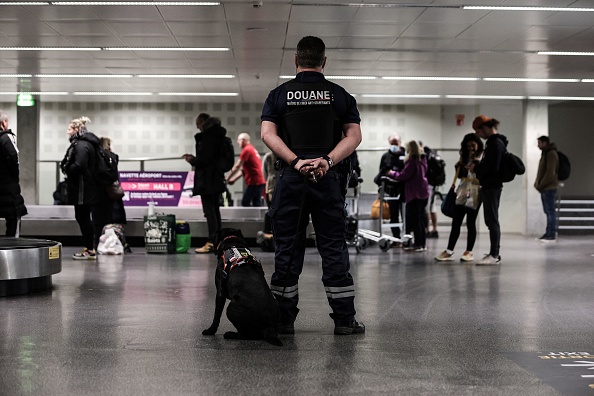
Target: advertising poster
x,y
163,188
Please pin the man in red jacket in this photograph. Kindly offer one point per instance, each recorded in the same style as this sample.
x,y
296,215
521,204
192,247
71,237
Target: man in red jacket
x,y
250,164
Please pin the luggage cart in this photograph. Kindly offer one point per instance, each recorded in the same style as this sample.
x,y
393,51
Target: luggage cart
x,y
353,237
384,241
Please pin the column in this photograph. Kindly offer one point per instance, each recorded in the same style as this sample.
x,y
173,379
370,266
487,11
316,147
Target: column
x,y
536,123
27,132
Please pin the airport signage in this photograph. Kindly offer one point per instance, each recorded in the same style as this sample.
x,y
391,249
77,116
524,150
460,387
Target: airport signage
x,y
162,188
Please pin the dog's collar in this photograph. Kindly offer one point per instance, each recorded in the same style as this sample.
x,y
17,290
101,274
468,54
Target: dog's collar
x,y
224,239
235,257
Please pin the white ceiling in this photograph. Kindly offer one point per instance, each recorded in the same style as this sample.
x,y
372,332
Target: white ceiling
x,y
431,38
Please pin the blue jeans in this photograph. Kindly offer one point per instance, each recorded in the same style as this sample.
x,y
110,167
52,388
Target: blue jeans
x,y
548,205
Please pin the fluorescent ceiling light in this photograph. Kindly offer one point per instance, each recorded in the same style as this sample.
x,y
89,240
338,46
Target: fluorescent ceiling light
x,y
206,76
136,3
198,94
204,49
15,75
484,97
561,53
84,75
113,93
517,8
351,77
504,79
34,93
561,97
213,49
23,3
431,78
50,49
400,96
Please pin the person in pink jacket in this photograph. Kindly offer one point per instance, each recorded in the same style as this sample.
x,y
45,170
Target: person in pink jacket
x,y
416,193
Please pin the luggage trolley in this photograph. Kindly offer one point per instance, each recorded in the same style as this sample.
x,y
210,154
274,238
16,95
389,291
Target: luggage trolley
x,y
384,241
353,237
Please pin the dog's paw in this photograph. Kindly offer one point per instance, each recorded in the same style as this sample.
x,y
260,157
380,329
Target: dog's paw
x,y
210,331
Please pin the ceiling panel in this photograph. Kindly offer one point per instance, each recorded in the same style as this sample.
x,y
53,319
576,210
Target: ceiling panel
x,y
387,39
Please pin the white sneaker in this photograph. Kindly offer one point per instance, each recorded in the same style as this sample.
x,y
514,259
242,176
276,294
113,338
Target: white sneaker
x,y
548,240
444,256
467,256
489,260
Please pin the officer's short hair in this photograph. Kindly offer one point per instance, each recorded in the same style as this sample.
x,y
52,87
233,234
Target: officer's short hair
x,y
311,52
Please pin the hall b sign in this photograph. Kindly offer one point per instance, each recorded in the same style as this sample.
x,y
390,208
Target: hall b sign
x,y
571,373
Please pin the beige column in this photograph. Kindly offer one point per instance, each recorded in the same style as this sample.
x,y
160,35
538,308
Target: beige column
x,y
536,123
27,132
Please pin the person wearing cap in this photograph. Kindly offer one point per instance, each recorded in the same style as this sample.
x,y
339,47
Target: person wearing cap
x,y
487,171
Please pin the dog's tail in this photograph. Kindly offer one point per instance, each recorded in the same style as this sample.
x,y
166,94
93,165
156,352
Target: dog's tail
x,y
271,336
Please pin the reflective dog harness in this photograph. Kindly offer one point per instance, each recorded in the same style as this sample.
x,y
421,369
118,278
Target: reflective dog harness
x,y
235,257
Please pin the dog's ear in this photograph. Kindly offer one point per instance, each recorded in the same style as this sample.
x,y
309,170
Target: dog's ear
x,y
237,233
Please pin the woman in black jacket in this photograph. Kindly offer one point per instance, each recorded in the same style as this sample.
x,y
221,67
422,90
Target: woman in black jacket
x,y
78,165
12,205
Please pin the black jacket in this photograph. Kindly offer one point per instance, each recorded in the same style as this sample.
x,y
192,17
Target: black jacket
x,y
487,170
12,204
78,165
395,162
208,178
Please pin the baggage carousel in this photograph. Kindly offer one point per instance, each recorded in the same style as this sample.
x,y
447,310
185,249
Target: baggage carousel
x,y
27,265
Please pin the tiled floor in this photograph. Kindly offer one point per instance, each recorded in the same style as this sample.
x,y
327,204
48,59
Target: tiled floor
x,y
132,326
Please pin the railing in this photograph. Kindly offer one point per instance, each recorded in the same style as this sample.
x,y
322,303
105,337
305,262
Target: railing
x,y
368,159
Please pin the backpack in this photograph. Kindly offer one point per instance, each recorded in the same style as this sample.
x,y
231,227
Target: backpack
x,y
436,170
105,168
564,166
511,165
227,156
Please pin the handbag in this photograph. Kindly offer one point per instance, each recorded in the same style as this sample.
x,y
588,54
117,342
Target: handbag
x,y
449,203
467,193
375,210
115,191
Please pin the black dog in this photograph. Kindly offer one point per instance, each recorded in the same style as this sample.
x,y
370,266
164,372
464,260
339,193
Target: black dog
x,y
253,310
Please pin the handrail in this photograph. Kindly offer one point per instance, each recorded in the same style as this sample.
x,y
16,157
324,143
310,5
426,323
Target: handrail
x,y
144,160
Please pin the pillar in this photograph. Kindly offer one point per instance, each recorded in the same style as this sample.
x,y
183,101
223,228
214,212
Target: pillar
x,y
27,132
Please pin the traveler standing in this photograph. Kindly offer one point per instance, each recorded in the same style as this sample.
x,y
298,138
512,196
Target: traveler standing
x,y
209,179
547,182
249,165
303,123
79,165
416,193
12,204
116,206
488,172
393,160
471,148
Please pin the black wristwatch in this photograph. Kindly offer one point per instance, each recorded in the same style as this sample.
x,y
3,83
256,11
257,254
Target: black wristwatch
x,y
329,160
294,162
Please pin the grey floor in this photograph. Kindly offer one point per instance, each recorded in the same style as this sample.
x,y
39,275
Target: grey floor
x,y
132,326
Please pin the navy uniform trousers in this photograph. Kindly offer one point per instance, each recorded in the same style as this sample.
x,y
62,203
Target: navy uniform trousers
x,y
325,203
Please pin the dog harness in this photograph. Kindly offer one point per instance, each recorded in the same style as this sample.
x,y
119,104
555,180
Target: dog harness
x,y
235,257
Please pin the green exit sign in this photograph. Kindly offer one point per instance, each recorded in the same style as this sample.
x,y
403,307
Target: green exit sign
x,y
25,100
